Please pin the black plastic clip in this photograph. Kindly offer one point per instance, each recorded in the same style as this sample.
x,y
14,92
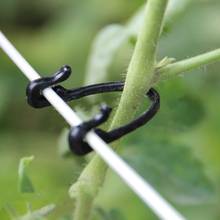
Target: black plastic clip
x,y
77,134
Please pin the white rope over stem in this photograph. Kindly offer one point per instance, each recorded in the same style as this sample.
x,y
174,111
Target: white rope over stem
x,y
143,189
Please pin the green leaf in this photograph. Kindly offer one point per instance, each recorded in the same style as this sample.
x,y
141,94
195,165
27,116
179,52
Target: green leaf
x,y
171,168
103,51
105,46
180,111
38,214
174,10
66,217
102,214
112,37
25,184
9,211
113,214
186,111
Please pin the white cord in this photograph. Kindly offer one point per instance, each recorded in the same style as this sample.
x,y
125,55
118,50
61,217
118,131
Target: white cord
x,y
144,190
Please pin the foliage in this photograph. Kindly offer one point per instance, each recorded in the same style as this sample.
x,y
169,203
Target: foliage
x,y
178,151
25,184
171,168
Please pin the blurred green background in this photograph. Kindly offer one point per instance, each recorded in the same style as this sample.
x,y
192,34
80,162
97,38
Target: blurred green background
x,y
178,152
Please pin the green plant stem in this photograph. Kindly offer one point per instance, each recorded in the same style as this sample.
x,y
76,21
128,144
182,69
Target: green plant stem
x,y
139,76
141,68
85,201
87,186
189,64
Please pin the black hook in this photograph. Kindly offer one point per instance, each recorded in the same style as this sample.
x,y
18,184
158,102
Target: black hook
x,y
36,99
77,134
34,89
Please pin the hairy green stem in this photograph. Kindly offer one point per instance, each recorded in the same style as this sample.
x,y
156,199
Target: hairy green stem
x,y
140,73
87,186
189,64
141,68
85,201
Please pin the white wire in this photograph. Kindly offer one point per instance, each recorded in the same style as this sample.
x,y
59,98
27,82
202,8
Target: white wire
x,y
143,189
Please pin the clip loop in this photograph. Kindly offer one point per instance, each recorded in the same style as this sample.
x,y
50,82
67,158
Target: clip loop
x,y
77,133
